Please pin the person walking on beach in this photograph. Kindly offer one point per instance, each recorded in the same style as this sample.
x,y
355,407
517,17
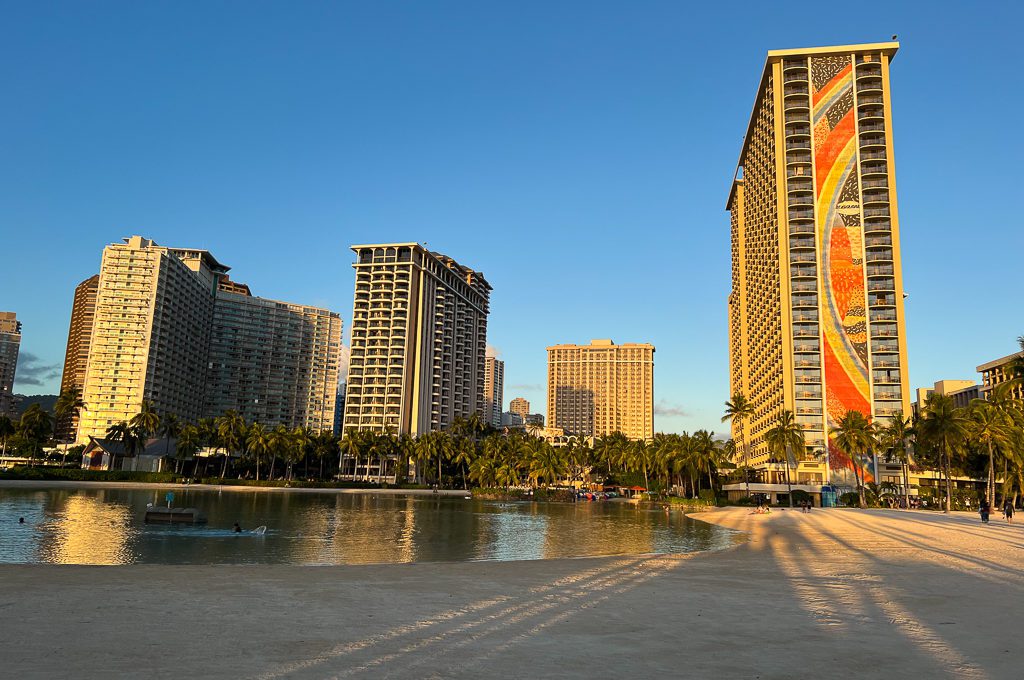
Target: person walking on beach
x,y
985,509
1008,510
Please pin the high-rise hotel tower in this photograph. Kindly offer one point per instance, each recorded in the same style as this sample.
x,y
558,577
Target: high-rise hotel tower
x,y
816,310
419,340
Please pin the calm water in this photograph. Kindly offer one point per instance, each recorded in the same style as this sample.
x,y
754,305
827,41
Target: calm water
x,y
104,526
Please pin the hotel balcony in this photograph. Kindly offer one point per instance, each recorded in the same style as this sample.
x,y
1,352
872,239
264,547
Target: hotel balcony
x,y
882,315
801,228
804,270
806,315
871,112
871,140
885,346
804,287
799,184
885,361
805,330
870,84
876,212
798,161
881,284
876,196
796,102
804,393
880,270
800,214
804,301
807,361
803,256
878,241
873,168
875,183
869,99
801,243
879,255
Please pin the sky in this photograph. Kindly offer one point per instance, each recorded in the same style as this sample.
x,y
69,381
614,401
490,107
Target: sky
x,y
579,154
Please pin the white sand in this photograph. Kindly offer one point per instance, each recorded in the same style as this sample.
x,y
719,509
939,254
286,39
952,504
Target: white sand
x,y
830,594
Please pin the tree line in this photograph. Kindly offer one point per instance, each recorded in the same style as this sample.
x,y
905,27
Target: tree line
x,y
982,439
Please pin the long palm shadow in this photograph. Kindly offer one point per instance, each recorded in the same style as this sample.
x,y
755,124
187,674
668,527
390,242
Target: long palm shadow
x,y
446,642
575,580
1014,575
977,532
924,638
564,615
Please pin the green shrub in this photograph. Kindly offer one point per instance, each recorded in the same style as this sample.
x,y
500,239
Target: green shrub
x,y
850,499
80,475
799,496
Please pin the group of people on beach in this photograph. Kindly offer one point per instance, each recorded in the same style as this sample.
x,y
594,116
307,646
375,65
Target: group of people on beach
x,y
986,509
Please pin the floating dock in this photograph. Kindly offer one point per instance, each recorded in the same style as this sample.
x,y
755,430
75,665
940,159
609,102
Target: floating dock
x,y
174,516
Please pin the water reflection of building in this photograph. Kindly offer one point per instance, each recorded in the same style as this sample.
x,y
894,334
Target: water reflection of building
x,y
87,529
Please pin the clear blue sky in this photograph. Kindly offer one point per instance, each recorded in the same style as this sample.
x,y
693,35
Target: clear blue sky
x,y
578,153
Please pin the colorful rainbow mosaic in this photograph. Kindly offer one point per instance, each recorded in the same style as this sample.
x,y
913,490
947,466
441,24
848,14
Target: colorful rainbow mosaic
x,y
841,235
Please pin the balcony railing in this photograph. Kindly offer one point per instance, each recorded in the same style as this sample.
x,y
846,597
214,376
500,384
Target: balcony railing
x,y
801,228
869,99
798,214
805,301
873,241
880,270
876,212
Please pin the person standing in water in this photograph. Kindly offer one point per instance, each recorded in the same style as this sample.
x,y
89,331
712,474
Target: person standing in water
x,y
238,528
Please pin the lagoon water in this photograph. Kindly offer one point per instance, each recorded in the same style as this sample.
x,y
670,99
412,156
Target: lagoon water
x,y
104,526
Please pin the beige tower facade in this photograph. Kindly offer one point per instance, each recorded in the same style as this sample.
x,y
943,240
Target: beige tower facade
x,y
76,357
816,321
494,390
10,347
519,406
274,362
601,388
150,334
419,340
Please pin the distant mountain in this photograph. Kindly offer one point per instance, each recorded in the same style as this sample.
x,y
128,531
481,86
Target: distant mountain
x,y
46,401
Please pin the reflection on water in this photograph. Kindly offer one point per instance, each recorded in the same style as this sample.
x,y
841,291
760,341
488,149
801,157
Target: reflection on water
x,y
104,526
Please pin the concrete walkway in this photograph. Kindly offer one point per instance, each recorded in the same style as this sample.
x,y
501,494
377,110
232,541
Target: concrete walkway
x,y
833,594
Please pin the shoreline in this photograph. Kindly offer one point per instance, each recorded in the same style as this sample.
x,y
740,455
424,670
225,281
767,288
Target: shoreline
x,y
916,593
72,484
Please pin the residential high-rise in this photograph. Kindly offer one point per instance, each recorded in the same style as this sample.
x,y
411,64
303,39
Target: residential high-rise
x,y
601,388
76,357
274,362
520,407
10,346
170,328
419,337
494,390
150,336
816,321
339,409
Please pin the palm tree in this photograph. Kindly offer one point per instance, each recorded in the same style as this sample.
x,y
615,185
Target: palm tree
x,y
300,441
737,412
7,430
146,421
207,428
170,427
895,437
465,452
231,434
68,404
257,442
785,439
854,437
325,445
991,427
351,446
35,427
944,427
709,454
128,436
187,444
279,440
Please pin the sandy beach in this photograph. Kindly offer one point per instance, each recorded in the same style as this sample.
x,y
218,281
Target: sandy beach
x,y
833,593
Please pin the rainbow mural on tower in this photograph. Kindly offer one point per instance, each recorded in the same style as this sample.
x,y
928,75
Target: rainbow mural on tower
x,y
841,235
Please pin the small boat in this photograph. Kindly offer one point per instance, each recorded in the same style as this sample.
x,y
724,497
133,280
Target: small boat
x,y
163,515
